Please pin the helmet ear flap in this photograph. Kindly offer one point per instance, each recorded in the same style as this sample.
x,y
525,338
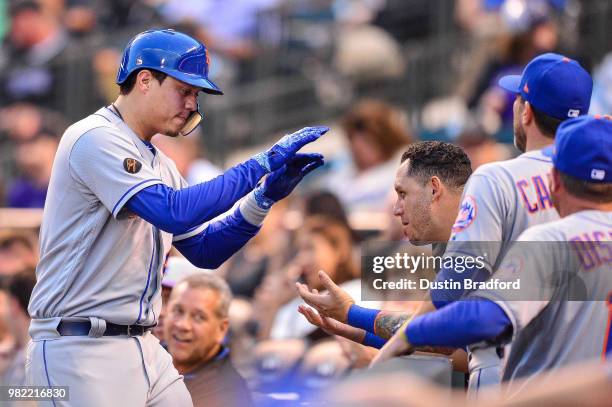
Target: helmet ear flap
x,y
192,122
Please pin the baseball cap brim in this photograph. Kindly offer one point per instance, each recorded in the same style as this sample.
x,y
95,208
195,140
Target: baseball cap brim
x,y
511,83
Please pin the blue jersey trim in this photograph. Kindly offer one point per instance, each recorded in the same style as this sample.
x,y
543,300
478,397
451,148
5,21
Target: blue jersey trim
x,y
155,284
46,370
148,278
538,159
102,116
131,189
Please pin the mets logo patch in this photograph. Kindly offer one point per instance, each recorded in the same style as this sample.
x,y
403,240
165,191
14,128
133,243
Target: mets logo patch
x,y
467,214
131,165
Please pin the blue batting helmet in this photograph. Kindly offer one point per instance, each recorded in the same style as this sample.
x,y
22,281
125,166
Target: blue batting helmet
x,y
171,52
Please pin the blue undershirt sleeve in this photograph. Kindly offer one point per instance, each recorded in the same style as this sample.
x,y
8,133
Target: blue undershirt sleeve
x,y
460,324
218,241
445,278
179,211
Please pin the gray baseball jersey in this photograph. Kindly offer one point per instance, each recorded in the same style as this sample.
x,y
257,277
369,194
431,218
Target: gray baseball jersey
x,y
500,200
548,330
97,259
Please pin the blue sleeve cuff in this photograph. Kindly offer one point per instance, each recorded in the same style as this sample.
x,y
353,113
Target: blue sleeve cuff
x,y
373,341
361,317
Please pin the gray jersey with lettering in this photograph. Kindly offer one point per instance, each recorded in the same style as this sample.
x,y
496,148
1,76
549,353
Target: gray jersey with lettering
x,y
500,201
548,330
97,259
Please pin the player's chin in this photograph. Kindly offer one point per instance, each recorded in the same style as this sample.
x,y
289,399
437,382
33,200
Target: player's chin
x,y
415,239
172,132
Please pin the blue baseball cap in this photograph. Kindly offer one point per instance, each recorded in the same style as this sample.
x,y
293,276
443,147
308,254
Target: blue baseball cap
x,y
583,148
554,84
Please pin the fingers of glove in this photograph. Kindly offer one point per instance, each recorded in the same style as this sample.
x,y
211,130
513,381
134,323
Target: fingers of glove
x,y
300,159
300,138
311,167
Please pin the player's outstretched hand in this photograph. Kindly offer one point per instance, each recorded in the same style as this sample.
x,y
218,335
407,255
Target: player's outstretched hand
x,y
286,147
331,326
396,346
281,182
334,303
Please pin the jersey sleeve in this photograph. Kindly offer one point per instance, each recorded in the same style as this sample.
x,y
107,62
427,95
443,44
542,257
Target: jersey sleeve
x,y
541,266
481,216
111,167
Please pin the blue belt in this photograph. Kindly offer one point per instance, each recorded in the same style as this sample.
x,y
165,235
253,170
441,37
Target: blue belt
x,y
71,328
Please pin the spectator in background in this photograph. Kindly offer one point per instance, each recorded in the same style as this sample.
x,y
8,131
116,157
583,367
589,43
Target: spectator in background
x,y
480,147
229,29
34,161
532,29
18,251
36,41
375,132
323,244
270,249
82,17
22,122
7,342
175,269
18,289
324,203
195,329
601,101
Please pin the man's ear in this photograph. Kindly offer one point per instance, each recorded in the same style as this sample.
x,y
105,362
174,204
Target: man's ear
x,y
527,114
437,188
555,181
143,80
224,327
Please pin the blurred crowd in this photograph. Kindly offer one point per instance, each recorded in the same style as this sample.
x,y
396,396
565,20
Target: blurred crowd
x,y
252,339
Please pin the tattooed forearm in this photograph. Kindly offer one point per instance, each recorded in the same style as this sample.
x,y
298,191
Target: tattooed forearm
x,y
387,323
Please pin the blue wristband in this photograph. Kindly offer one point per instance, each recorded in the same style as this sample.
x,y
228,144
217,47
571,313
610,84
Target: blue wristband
x,y
374,341
361,317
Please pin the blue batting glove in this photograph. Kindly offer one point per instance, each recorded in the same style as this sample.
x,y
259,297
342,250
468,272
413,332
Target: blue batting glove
x,y
281,182
285,148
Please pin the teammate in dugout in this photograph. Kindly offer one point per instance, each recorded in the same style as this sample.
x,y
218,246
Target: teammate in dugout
x,y
546,332
502,199
429,183
115,207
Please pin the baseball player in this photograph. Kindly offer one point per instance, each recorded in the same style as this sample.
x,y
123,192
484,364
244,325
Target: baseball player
x,y
115,207
547,330
429,184
502,199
